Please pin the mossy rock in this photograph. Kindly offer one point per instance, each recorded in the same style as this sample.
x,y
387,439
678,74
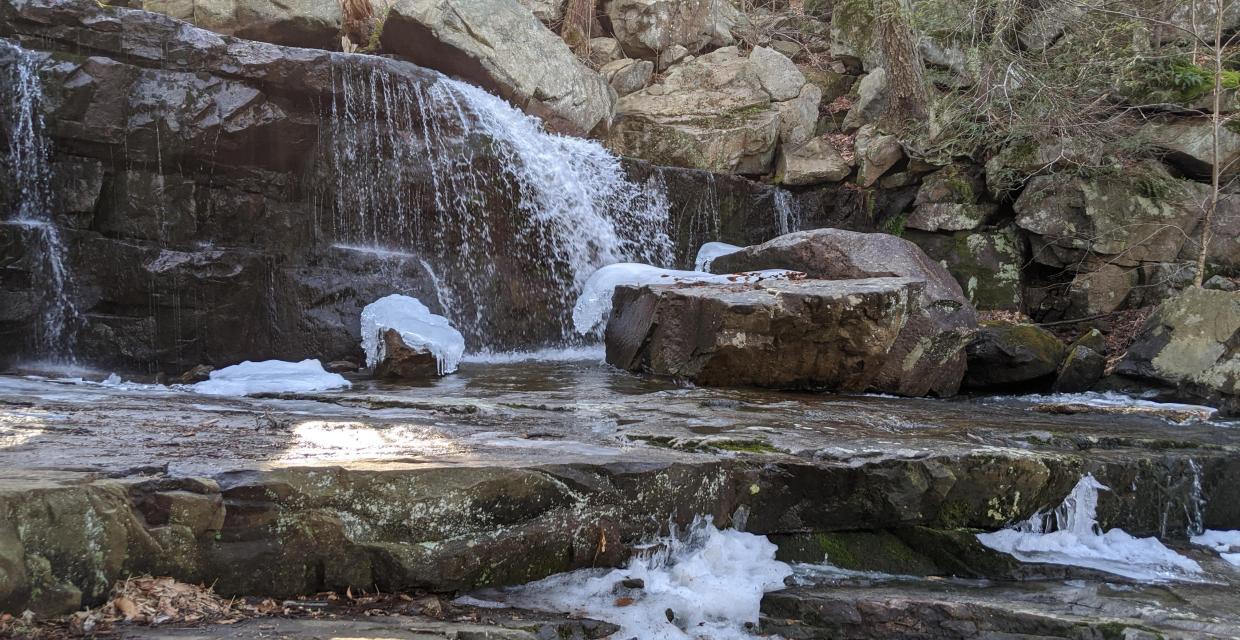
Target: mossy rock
x,y
1004,354
879,551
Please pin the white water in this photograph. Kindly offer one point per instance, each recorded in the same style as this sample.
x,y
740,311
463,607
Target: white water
x,y
1071,536
594,305
418,328
787,212
555,207
29,167
712,581
1116,399
270,376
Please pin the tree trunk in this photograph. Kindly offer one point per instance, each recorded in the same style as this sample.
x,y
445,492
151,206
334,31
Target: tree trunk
x,y
906,82
576,29
1216,122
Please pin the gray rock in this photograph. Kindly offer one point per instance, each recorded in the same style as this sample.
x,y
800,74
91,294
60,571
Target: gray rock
x,y
875,153
711,113
672,55
548,11
807,334
499,44
987,264
628,75
1190,343
1081,369
1189,144
604,50
1003,354
1219,283
777,73
950,199
812,162
295,23
871,101
928,357
647,27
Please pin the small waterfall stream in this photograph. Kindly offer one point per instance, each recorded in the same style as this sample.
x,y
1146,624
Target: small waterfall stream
x,y
28,168
494,203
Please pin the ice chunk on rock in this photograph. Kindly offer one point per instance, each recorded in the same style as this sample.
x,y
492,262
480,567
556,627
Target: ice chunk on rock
x,y
707,584
592,307
1226,543
390,321
1077,540
270,376
710,251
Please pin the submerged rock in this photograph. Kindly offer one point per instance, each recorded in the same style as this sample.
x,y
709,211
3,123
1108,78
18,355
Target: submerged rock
x,y
806,334
928,356
1004,353
1191,343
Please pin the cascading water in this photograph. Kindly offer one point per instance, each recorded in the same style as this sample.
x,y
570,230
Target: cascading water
x,y
28,167
491,200
787,212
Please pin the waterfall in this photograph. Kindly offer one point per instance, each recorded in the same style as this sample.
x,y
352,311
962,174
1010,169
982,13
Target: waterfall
x,y
787,212
27,166
496,204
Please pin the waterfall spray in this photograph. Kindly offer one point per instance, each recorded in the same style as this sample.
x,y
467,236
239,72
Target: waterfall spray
x,y
28,166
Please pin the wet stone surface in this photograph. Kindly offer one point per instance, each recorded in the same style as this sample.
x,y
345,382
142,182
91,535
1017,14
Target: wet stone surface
x,y
508,472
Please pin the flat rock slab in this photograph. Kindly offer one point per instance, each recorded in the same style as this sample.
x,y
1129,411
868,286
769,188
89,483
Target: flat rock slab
x,y
784,334
506,473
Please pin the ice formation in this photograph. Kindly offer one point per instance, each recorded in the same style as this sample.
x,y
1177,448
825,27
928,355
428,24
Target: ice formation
x,y
418,327
710,251
270,376
1226,543
1071,536
594,305
711,581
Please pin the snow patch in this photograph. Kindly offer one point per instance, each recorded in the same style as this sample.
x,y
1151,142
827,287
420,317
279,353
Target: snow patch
x,y
270,376
710,251
418,327
712,581
594,304
1071,536
1225,543
1116,399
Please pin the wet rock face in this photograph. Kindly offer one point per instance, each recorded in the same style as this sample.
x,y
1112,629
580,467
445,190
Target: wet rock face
x,y
1191,343
1003,353
928,356
806,334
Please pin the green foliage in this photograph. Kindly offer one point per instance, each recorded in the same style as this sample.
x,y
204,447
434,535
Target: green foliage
x,y
1174,80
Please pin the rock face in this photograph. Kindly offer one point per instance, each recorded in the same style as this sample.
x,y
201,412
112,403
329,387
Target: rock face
x,y
296,23
813,162
805,334
986,263
928,356
645,28
1003,353
501,45
1192,343
950,200
721,111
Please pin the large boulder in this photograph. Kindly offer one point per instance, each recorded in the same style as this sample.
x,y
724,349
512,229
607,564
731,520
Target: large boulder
x,y
1140,217
787,334
296,23
646,28
1189,144
1005,353
1191,343
722,112
928,356
501,45
812,162
951,199
986,263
